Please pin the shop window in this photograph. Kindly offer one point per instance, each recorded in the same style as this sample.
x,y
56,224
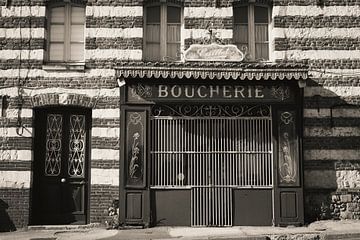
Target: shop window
x,y
162,32
66,32
251,30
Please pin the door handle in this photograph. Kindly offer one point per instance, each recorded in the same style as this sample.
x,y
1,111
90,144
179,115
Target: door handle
x,y
63,180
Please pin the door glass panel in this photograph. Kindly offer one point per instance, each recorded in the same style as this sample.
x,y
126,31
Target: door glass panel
x,y
77,51
173,15
77,146
57,33
53,145
57,15
77,15
77,33
240,15
153,14
56,51
261,15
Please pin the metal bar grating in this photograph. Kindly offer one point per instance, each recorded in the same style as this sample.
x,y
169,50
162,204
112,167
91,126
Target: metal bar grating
x,y
211,151
211,206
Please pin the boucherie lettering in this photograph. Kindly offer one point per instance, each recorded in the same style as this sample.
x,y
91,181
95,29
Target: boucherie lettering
x,y
177,92
203,91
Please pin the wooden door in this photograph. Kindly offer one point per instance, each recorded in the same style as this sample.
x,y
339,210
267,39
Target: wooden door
x,y
61,153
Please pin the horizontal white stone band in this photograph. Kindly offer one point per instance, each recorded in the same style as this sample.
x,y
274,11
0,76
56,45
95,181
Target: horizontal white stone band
x,y
323,73
109,11
37,54
101,92
104,154
33,73
114,32
15,179
15,155
203,33
207,12
326,154
316,10
13,113
316,54
315,32
23,11
11,132
324,91
21,179
113,113
22,32
113,132
336,113
105,176
332,132
106,113
123,54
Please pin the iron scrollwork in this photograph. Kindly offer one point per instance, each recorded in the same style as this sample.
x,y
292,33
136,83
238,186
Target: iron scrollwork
x,y
288,159
135,130
140,91
280,92
208,110
53,145
134,166
288,166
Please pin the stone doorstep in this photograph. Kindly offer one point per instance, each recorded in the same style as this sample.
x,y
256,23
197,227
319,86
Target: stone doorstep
x,y
64,227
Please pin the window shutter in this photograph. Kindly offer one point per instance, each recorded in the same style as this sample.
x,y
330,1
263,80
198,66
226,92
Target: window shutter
x,y
261,33
251,26
173,32
241,33
152,49
77,33
66,41
57,34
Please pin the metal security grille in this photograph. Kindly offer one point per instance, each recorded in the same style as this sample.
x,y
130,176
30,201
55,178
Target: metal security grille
x,y
211,149
211,206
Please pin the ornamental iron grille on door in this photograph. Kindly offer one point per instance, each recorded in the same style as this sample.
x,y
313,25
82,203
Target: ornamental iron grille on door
x,y
211,149
60,175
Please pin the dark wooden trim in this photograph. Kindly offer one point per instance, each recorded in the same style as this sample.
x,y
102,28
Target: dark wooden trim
x,y
140,190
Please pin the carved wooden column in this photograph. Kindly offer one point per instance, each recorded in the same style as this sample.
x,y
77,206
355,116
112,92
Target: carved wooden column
x,y
288,180
134,188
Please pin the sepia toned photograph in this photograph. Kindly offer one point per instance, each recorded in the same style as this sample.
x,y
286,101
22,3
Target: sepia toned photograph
x,y
179,119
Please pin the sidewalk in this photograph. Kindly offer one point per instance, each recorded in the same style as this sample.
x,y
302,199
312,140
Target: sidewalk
x,y
327,230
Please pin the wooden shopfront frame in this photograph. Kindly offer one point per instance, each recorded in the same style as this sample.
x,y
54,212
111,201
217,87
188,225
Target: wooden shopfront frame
x,y
140,94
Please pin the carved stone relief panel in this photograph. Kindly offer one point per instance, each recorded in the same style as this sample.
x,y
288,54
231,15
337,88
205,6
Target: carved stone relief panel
x,y
288,163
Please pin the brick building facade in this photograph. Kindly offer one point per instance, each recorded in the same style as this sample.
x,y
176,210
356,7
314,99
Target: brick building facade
x,y
318,38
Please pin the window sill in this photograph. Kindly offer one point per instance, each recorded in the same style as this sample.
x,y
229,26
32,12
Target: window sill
x,y
64,66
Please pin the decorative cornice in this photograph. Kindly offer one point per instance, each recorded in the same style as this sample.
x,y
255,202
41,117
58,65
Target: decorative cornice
x,y
226,71
57,99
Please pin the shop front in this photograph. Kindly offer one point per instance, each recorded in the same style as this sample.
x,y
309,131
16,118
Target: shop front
x,y
210,144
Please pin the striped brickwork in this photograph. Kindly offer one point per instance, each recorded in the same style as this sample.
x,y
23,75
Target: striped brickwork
x,y
113,33
325,36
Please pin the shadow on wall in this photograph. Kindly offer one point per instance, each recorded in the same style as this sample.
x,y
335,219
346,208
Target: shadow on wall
x,y
6,224
332,172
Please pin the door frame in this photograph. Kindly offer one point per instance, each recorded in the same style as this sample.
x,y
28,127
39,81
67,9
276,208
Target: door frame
x,y
287,95
38,132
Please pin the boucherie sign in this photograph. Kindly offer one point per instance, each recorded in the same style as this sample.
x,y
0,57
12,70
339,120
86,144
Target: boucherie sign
x,y
177,92
213,52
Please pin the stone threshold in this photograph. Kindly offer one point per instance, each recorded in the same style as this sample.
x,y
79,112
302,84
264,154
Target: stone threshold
x,y
64,227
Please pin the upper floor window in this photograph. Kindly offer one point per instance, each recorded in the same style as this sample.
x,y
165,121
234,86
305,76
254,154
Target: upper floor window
x,y
251,30
162,32
66,33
